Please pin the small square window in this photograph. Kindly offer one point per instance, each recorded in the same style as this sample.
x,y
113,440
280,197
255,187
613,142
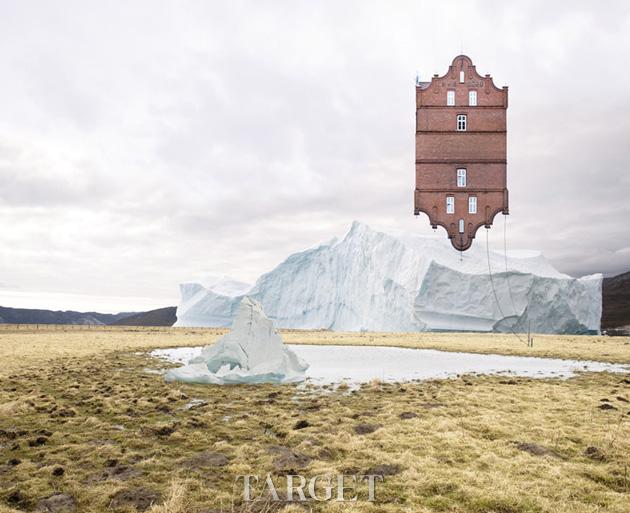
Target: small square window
x,y
461,122
472,205
450,204
450,98
472,98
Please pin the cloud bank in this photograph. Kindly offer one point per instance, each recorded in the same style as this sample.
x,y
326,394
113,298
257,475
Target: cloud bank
x,y
150,143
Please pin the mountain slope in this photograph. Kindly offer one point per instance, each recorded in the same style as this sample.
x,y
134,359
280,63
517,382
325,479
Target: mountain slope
x,y
35,316
616,301
160,317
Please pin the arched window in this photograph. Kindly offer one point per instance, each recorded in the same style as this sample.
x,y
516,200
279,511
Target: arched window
x,y
461,122
461,177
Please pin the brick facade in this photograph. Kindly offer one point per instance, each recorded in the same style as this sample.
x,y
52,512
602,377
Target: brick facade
x,y
480,149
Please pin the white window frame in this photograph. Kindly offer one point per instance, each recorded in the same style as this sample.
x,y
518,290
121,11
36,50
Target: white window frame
x,y
472,98
450,204
472,204
461,226
450,98
462,77
461,177
462,122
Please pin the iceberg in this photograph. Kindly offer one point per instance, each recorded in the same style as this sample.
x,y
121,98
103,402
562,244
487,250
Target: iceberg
x,y
253,352
373,281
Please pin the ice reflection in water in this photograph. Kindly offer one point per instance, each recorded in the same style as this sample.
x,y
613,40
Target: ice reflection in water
x,y
360,364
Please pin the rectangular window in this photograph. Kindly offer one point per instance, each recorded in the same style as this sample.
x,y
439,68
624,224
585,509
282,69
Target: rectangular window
x,y
461,177
461,77
461,122
461,226
450,98
472,204
450,204
472,98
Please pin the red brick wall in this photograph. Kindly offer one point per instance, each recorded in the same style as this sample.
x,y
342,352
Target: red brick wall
x,y
435,203
441,149
444,176
444,119
463,146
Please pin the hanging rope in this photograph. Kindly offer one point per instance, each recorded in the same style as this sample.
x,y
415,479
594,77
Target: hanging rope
x,y
507,277
494,291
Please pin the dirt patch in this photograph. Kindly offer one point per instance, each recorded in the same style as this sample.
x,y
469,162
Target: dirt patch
x,y
139,498
287,459
57,503
122,472
206,459
594,453
36,442
365,429
384,470
534,449
17,498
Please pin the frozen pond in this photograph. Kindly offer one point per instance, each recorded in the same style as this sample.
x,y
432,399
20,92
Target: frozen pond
x,y
360,364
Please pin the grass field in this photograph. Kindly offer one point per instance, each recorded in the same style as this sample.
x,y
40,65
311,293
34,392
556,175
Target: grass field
x,y
82,426
40,343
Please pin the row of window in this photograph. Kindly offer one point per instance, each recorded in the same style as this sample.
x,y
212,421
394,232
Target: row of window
x,y
450,98
450,204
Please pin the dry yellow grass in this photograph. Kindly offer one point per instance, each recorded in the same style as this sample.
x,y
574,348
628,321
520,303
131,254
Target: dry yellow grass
x,y
28,344
79,401
177,500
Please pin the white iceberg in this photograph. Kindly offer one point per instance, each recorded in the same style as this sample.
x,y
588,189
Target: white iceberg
x,y
253,352
374,281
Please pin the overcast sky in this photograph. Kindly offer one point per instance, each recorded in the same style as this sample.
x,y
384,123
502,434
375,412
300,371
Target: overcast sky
x,y
147,143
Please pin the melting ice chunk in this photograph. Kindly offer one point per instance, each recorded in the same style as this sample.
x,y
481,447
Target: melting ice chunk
x,y
253,352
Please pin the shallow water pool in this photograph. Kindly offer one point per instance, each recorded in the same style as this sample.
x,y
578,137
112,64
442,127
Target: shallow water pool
x,y
360,364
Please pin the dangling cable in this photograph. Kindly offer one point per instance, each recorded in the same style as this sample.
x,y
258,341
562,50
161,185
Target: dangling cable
x,y
494,291
507,276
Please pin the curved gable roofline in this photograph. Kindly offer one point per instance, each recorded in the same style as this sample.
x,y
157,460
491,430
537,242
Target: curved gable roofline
x,y
462,56
455,66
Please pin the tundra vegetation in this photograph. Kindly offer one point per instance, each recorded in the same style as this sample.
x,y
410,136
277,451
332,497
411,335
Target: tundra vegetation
x,y
84,427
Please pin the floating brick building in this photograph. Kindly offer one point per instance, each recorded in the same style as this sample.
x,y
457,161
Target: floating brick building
x,y
461,151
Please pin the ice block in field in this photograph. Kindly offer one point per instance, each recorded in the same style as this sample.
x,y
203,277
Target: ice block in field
x,y
374,281
253,352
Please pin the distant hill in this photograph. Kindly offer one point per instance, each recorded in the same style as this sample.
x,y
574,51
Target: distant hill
x,y
616,302
160,317
31,316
